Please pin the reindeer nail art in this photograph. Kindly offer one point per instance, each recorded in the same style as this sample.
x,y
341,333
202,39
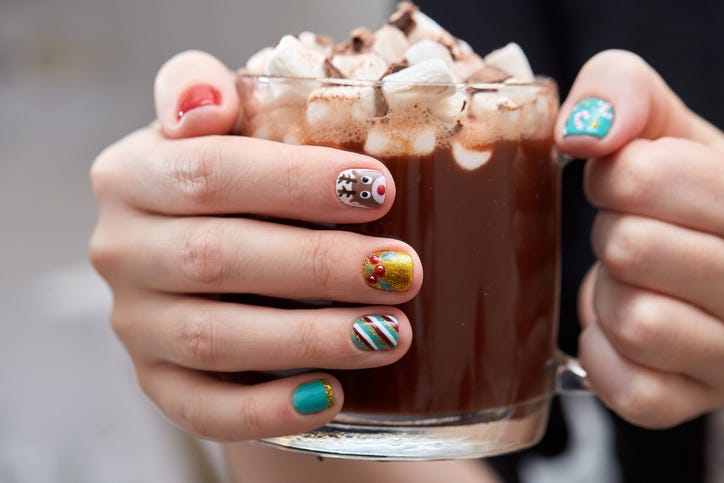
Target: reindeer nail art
x,y
361,187
590,116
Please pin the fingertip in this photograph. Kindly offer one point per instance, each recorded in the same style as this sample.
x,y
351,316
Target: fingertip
x,y
195,95
609,104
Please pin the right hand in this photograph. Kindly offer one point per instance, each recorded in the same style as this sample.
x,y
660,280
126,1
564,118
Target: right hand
x,y
166,250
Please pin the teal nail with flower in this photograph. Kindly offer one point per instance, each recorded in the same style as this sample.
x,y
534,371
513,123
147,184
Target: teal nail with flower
x,y
591,116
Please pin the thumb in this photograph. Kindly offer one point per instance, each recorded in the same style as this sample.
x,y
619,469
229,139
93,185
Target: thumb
x,y
617,97
195,95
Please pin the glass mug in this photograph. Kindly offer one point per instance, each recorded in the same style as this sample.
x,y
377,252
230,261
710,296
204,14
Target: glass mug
x,y
478,198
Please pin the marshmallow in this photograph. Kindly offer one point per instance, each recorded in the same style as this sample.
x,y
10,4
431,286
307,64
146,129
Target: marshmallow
x,y
469,159
292,59
408,85
390,44
321,43
275,124
367,66
450,109
466,66
512,60
427,49
340,106
427,28
382,140
257,62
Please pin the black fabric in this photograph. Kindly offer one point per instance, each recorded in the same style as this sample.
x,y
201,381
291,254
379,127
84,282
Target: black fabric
x,y
684,42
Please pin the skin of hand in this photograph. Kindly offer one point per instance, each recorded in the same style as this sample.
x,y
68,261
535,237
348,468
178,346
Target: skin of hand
x,y
652,307
165,246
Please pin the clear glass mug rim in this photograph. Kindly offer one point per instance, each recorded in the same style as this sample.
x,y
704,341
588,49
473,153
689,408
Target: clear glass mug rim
x,y
540,81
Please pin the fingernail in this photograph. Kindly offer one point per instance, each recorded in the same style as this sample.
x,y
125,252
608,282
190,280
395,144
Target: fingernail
x,y
376,333
313,397
591,116
361,187
387,270
197,96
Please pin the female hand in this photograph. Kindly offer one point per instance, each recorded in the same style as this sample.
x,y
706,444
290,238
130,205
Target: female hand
x,y
166,249
653,306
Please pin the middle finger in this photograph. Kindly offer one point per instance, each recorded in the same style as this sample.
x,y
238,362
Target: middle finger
x,y
239,255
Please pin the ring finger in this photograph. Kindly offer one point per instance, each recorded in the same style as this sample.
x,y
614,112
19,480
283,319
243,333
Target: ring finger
x,y
222,336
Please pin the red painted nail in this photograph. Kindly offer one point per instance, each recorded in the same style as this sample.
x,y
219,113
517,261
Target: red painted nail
x,y
197,96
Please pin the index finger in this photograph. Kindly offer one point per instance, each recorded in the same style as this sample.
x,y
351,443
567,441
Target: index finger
x,y
212,175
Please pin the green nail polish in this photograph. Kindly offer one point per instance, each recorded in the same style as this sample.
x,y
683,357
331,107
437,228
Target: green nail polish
x,y
313,397
590,116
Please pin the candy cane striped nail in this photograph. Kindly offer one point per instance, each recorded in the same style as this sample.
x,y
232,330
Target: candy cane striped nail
x,y
376,333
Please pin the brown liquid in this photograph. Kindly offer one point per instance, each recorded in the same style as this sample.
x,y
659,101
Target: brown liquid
x,y
484,322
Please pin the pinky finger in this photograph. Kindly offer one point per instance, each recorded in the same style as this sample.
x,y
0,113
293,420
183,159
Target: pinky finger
x,y
643,396
215,409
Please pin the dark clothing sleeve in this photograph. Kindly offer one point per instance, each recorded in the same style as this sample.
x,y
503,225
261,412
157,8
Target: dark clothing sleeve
x,y
684,42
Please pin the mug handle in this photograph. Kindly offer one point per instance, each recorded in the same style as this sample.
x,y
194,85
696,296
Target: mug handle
x,y
570,377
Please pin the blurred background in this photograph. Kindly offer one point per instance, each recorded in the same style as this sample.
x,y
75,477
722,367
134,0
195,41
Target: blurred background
x,y
76,75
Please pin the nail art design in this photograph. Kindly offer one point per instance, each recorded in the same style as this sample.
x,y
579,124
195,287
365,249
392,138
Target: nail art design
x,y
361,187
387,270
590,116
197,96
376,333
313,397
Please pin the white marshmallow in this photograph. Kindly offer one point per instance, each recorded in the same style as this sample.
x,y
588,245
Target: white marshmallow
x,y
366,66
292,59
275,124
384,141
390,44
450,109
512,60
338,106
485,103
257,62
469,159
427,28
408,85
466,66
323,45
427,49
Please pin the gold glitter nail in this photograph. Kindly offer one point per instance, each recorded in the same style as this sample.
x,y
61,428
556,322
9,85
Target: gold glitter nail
x,y
388,270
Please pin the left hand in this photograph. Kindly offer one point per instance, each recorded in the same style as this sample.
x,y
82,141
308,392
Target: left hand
x,y
652,307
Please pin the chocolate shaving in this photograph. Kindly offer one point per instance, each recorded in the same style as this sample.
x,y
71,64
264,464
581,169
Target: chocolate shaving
x,y
402,18
361,39
332,70
489,74
396,67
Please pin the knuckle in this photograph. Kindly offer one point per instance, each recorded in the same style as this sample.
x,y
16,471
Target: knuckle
x,y
307,341
639,402
250,420
197,340
322,249
103,253
635,326
626,248
201,258
191,416
198,175
296,189
637,180
103,172
121,325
